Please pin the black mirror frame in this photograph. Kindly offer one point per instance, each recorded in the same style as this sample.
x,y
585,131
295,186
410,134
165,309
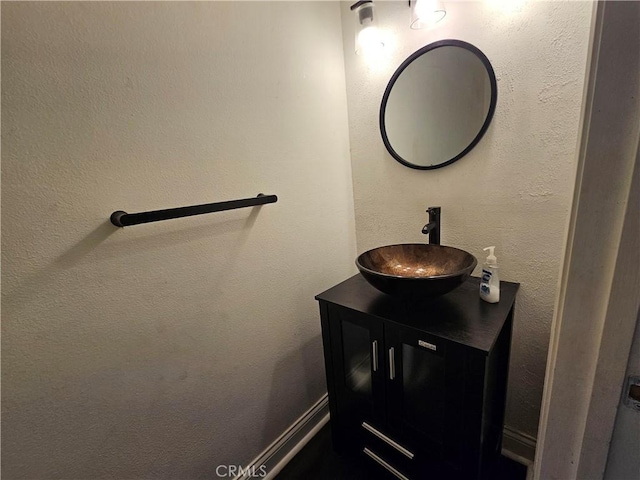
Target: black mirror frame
x,y
405,64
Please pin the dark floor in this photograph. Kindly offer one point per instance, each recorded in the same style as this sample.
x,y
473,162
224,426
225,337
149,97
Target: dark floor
x,y
318,461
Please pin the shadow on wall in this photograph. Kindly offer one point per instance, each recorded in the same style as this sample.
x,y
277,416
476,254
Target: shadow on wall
x,y
30,286
93,245
171,238
302,369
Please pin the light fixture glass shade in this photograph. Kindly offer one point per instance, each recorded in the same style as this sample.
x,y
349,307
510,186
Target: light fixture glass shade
x,y
368,38
426,13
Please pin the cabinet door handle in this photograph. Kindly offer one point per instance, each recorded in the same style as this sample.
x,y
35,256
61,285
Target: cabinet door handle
x,y
392,365
375,355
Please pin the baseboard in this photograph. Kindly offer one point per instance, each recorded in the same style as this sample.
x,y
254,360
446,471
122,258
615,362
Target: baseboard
x,y
269,463
518,446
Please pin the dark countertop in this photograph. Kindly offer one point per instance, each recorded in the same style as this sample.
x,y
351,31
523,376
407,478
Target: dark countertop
x,y
460,316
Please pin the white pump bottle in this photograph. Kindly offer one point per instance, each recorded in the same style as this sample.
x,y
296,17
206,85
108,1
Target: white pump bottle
x,y
490,280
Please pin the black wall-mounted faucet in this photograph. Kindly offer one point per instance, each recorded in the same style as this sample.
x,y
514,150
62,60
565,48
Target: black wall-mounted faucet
x,y
433,227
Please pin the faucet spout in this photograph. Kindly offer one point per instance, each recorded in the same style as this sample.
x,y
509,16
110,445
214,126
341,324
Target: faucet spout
x,y
428,228
433,227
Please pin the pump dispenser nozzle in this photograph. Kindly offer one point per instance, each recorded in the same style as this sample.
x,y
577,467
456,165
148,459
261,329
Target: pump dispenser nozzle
x,y
491,259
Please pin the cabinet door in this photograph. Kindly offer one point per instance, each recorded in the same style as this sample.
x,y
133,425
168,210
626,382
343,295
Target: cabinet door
x,y
358,365
425,387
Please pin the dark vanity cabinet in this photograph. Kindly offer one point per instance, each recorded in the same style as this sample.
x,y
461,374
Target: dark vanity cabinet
x,y
417,386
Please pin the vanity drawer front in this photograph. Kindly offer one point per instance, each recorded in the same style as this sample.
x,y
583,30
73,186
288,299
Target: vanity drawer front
x,y
379,450
398,465
413,463
415,460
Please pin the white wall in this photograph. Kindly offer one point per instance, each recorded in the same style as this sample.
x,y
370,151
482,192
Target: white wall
x,y
163,350
514,189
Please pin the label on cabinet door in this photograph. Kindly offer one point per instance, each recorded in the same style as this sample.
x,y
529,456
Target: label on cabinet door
x,y
428,345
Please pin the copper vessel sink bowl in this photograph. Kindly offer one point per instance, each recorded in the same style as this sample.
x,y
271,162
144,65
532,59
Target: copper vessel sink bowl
x,y
416,269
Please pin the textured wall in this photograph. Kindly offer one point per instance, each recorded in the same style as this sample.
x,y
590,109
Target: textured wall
x,y
599,295
514,189
163,350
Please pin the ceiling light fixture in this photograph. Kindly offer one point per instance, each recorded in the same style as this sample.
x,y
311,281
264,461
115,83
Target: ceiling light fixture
x,y
426,13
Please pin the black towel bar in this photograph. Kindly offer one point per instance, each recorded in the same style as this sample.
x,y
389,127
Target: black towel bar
x,y
124,219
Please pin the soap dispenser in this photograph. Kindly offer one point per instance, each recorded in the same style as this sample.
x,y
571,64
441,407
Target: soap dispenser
x,y
490,281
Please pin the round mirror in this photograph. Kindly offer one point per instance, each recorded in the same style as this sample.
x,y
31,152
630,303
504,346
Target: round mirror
x,y
438,104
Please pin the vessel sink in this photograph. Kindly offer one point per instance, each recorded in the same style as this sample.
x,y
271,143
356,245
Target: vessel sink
x,y
416,269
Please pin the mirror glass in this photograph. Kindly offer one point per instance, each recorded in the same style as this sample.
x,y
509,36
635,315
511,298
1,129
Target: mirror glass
x,y
438,104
